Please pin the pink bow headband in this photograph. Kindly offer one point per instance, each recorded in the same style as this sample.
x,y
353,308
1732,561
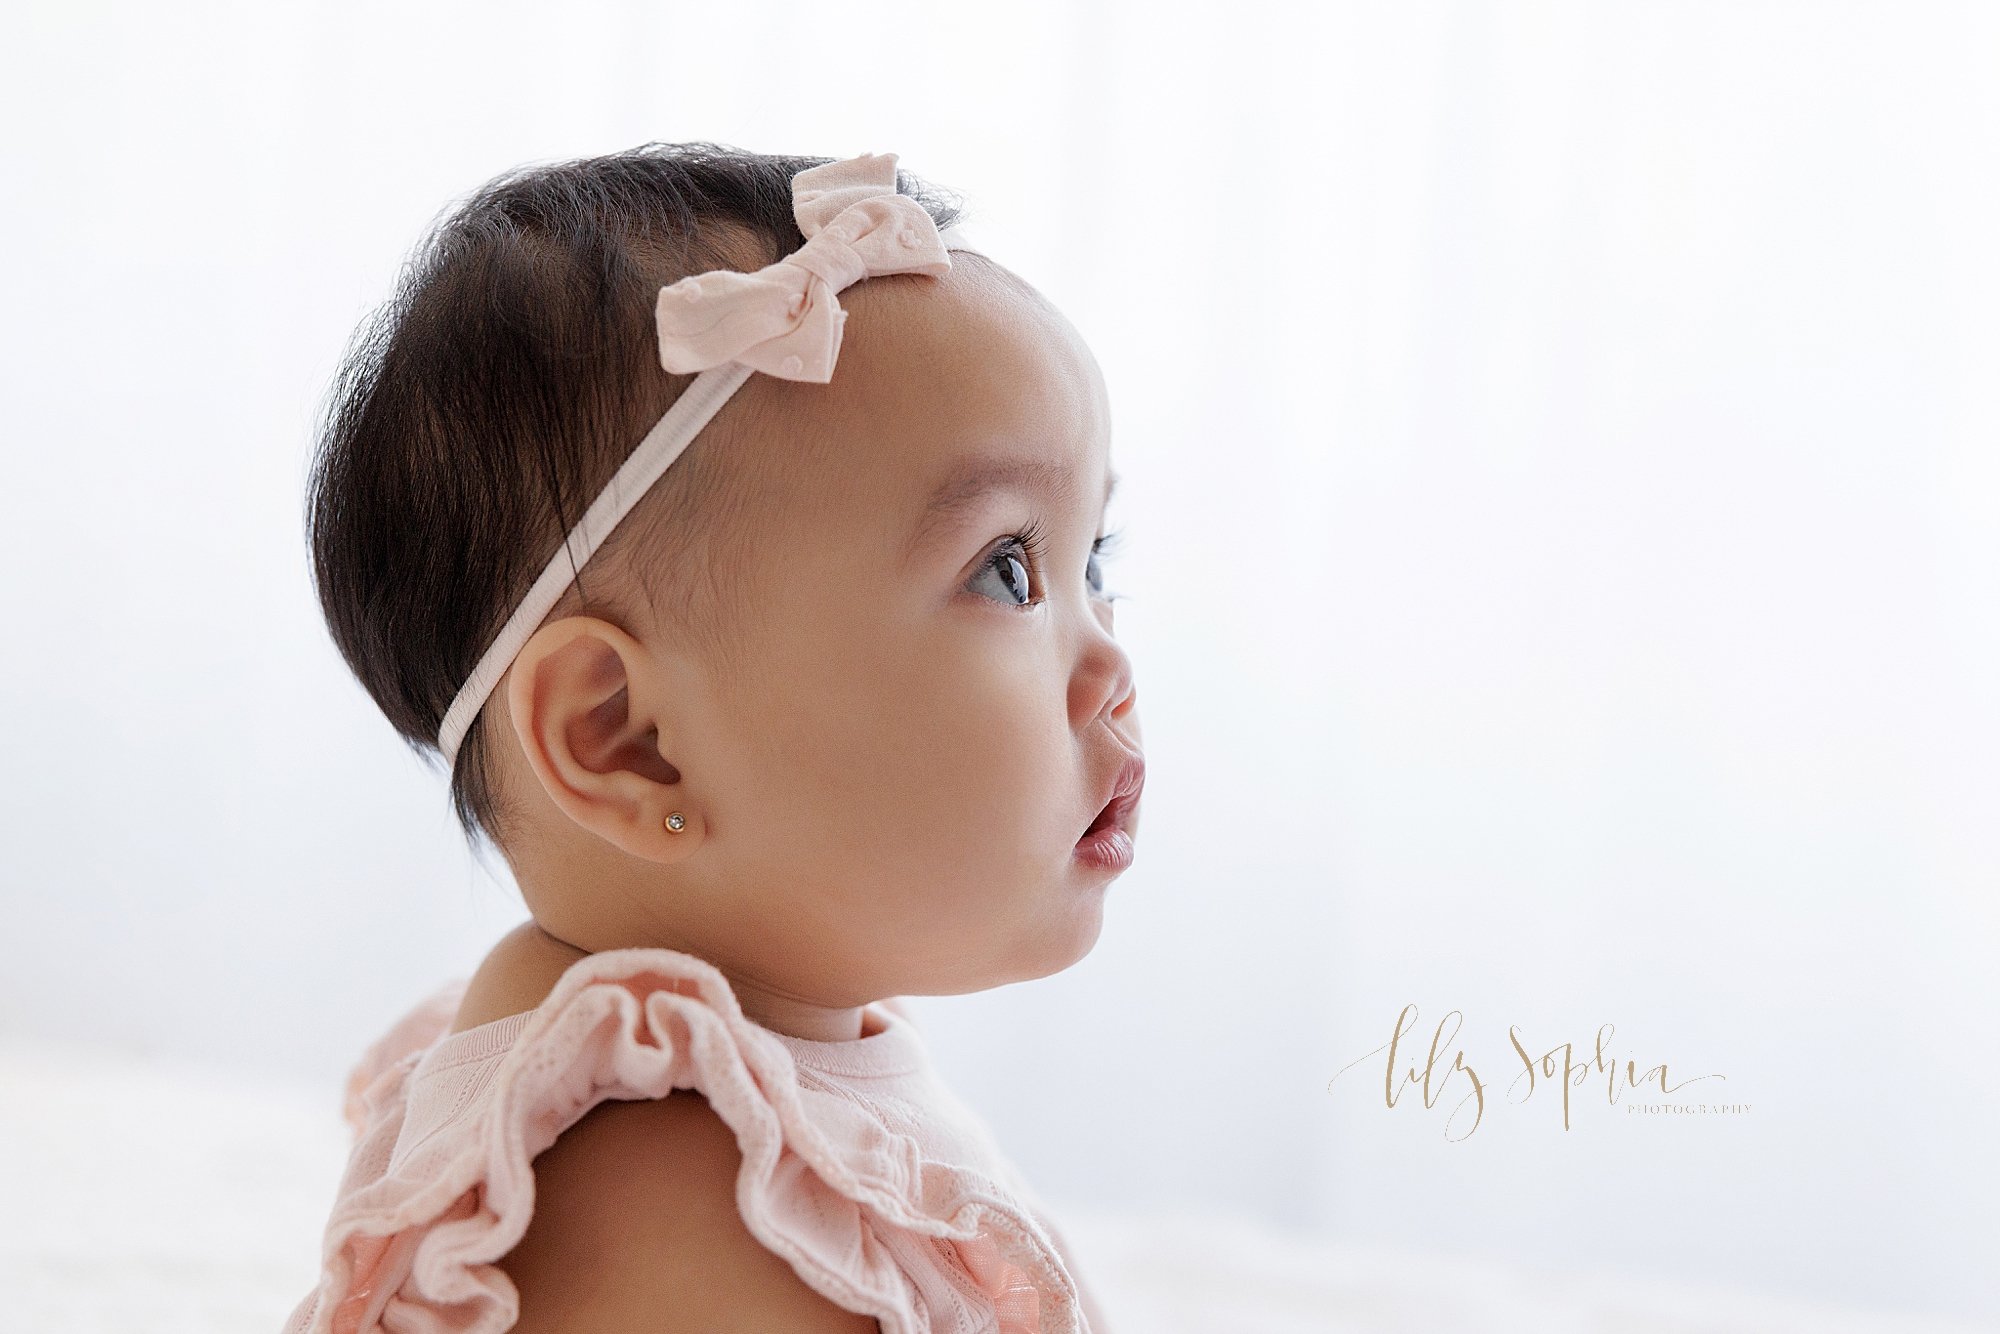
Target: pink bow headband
x,y
783,320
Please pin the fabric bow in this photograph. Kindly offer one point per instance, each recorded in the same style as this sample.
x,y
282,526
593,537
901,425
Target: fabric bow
x,y
1015,1299
785,318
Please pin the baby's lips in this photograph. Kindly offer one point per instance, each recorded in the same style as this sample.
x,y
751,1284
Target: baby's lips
x,y
1122,803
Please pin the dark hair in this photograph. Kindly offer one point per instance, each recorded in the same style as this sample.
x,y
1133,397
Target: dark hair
x,y
478,411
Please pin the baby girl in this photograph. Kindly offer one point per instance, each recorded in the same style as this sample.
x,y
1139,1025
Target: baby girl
x,y
784,691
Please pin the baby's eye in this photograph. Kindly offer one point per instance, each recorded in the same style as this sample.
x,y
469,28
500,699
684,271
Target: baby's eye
x,y
1007,571
1015,577
1013,574
1094,570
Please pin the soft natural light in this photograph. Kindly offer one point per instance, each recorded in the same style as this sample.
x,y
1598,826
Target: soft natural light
x,y
1560,483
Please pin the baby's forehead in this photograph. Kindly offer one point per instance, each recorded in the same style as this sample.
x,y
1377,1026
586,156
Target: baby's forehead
x,y
934,373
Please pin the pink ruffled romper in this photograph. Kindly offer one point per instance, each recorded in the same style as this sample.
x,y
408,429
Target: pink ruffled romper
x,y
862,1170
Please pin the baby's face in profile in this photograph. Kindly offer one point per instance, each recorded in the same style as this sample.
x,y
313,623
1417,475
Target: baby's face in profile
x,y
935,712
886,789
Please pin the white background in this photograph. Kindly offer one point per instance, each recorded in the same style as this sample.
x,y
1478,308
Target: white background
x,y
1562,502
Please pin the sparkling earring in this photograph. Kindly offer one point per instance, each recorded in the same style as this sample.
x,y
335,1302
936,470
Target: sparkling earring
x,y
675,823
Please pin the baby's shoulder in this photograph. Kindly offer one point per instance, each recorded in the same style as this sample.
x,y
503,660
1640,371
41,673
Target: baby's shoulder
x,y
517,974
635,1221
636,1225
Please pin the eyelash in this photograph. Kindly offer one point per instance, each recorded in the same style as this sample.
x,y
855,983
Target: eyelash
x,y
1034,541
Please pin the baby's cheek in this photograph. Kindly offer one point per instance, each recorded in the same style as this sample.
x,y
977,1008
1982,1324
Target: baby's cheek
x,y
965,724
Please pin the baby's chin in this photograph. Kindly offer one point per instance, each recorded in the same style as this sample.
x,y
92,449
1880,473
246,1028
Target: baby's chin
x,y
1065,935
1054,932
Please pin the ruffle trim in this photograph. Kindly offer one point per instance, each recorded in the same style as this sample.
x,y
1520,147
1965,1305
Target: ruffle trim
x,y
855,1209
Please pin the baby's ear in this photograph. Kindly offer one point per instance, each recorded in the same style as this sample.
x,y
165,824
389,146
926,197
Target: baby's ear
x,y
583,702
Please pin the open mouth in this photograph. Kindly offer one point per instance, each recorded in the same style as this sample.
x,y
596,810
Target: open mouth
x,y
1112,814
1107,844
1117,812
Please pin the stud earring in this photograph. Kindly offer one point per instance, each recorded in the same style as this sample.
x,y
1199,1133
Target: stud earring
x,y
675,823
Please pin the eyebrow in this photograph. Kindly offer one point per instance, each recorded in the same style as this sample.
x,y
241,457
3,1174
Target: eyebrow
x,y
982,476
